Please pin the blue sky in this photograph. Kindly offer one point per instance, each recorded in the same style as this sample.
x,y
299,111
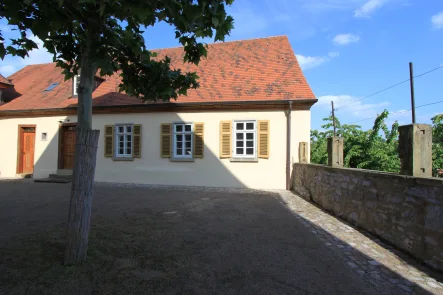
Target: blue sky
x,y
348,49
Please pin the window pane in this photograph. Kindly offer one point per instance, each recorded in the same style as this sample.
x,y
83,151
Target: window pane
x,y
249,151
121,144
121,151
250,126
239,151
249,144
179,137
188,144
239,135
188,152
188,137
249,135
128,138
240,126
180,152
188,128
129,129
179,128
128,151
128,144
121,129
239,143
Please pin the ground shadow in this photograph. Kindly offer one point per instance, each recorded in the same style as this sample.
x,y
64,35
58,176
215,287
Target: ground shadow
x,y
163,239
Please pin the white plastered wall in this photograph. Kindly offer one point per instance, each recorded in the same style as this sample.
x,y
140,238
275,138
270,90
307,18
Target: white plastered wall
x,y
46,151
151,168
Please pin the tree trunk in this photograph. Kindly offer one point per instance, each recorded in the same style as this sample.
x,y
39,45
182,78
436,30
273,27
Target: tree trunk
x,y
85,160
81,195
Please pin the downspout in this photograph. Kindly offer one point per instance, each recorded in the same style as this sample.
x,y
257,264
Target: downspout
x,y
288,146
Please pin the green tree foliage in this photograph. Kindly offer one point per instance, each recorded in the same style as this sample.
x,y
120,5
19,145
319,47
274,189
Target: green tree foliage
x,y
375,149
437,148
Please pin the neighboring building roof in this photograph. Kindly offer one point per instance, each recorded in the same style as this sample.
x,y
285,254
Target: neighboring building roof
x,y
263,69
5,81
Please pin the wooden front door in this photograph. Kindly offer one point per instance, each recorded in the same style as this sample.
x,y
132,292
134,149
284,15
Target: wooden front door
x,y
68,147
27,147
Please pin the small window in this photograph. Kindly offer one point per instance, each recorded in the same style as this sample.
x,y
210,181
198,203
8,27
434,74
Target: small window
x,y
182,137
245,138
75,85
123,140
44,136
50,87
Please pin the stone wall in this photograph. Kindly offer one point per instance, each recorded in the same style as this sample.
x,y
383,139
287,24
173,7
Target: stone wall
x,y
405,211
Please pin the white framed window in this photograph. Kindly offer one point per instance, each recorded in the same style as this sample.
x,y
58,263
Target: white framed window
x,y
123,140
75,84
182,140
245,139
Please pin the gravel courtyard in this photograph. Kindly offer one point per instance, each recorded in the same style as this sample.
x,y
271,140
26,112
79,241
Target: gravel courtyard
x,y
166,240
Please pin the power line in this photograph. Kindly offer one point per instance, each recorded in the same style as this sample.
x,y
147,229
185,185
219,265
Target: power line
x,y
398,112
390,87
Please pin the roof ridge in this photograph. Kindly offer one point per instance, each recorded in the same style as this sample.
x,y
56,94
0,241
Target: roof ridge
x,y
31,65
224,42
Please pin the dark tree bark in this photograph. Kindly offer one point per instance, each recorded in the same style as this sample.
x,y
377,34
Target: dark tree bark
x,y
85,160
81,196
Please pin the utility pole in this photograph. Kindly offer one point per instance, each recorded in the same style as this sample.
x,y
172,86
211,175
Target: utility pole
x,y
333,118
411,79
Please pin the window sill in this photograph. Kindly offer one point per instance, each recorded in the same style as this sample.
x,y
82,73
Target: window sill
x,y
251,160
123,159
181,159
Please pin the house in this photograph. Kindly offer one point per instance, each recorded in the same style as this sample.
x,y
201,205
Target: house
x,y
241,128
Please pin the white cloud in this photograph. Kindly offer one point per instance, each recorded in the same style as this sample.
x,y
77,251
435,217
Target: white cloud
x,y
309,62
36,56
345,39
350,106
437,20
7,70
369,7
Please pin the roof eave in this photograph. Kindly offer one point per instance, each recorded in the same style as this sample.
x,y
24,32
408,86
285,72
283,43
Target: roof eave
x,y
167,107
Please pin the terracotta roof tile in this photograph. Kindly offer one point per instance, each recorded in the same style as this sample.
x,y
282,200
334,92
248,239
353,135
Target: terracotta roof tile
x,y
257,69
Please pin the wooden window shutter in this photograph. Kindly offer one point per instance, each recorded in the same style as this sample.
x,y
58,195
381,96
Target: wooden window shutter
x,y
225,139
165,145
137,135
263,139
199,143
109,141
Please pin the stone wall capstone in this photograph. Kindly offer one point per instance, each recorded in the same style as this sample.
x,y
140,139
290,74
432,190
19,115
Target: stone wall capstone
x,y
403,210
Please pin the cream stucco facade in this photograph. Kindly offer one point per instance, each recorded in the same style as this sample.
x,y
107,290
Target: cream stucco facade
x,y
151,168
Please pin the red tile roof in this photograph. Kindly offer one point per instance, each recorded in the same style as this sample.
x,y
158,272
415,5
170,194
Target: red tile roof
x,y
250,70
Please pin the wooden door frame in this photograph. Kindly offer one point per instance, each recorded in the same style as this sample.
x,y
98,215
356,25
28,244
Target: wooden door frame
x,y
19,169
60,143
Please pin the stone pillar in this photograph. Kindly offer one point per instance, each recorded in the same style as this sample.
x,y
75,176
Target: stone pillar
x,y
303,153
415,150
335,151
